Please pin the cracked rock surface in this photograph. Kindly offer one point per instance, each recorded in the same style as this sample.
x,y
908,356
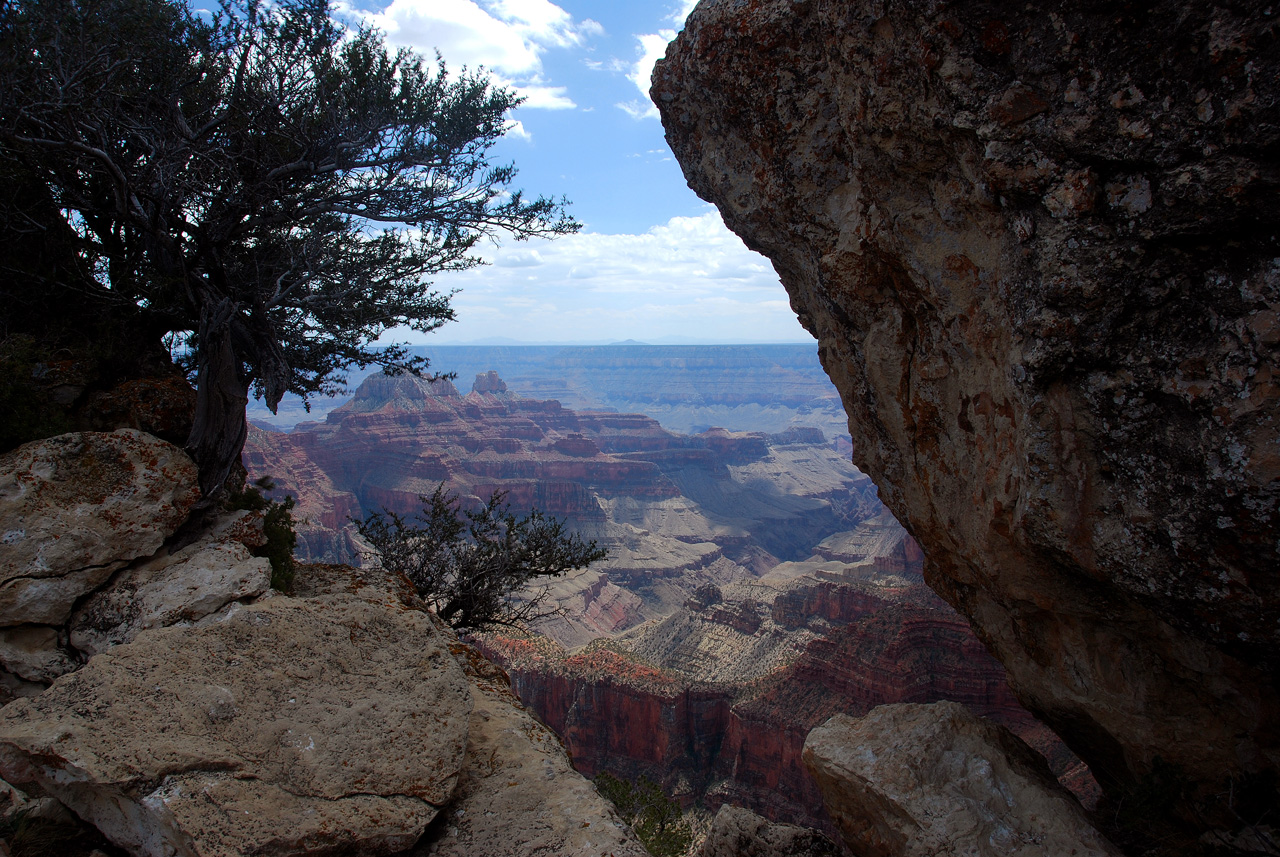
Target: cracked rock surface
x,y
919,780
77,507
292,726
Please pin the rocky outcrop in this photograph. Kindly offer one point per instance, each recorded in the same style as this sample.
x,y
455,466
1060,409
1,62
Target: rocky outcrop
x,y
78,507
920,780
517,794
87,518
291,727
169,589
337,721
641,704
738,832
1037,245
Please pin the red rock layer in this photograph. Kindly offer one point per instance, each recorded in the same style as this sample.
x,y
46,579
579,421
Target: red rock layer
x,y
743,745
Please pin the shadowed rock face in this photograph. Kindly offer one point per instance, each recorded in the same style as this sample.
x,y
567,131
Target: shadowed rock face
x,y
1037,243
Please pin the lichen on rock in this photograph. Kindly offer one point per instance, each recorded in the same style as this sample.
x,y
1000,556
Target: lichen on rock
x,y
1038,246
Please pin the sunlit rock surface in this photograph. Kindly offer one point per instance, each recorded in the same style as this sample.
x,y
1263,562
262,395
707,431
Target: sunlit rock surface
x,y
77,507
737,832
1037,244
292,726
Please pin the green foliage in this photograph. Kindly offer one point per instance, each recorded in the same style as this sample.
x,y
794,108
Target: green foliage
x,y
264,183
474,566
655,817
277,523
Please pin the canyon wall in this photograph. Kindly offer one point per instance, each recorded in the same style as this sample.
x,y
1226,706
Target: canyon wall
x,y
674,511
1037,244
671,700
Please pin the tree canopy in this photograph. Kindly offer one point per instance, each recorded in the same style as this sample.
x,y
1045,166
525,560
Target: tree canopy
x,y
264,184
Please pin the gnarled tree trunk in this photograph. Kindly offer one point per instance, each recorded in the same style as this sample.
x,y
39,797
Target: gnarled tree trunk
x,y
222,393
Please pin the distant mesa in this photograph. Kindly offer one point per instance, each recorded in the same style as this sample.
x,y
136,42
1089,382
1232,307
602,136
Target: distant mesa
x,y
488,383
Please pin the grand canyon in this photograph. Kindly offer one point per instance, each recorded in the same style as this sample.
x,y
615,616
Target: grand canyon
x,y
1002,577
754,586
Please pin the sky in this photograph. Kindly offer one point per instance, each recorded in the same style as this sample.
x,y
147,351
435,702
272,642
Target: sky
x,y
653,262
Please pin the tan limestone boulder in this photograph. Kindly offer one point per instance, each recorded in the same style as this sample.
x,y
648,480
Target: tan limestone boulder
x,y
518,795
915,780
738,832
293,726
169,589
77,507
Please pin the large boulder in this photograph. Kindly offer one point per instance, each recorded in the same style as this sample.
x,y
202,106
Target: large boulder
x,y
1037,243
913,780
289,727
76,508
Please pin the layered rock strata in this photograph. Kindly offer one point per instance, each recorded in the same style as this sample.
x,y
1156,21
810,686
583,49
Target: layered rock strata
x,y
674,511
738,740
1037,244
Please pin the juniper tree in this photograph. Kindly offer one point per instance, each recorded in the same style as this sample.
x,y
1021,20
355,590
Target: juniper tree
x,y
263,184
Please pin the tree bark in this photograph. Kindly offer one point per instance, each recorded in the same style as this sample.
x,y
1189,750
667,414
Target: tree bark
x,y
222,393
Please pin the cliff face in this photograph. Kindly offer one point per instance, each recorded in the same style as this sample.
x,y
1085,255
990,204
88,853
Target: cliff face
x,y
1037,243
643,704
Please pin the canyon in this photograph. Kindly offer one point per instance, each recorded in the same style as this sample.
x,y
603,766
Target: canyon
x,y
754,586
1037,244
686,388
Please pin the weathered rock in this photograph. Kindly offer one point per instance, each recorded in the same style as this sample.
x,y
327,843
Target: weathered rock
x,y
914,780
1037,243
77,507
167,589
738,832
33,653
517,795
291,727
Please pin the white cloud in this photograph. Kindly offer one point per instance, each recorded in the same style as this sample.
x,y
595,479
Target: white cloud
x,y
651,48
682,12
688,277
507,37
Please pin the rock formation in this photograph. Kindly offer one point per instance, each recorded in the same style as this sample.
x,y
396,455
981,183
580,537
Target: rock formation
x,y
920,780
291,727
84,563
192,714
718,708
1037,244
737,832
674,511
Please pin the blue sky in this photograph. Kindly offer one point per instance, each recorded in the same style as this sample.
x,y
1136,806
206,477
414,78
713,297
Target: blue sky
x,y
653,262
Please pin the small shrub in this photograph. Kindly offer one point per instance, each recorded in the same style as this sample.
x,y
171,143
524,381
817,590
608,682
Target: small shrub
x,y
277,524
473,566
